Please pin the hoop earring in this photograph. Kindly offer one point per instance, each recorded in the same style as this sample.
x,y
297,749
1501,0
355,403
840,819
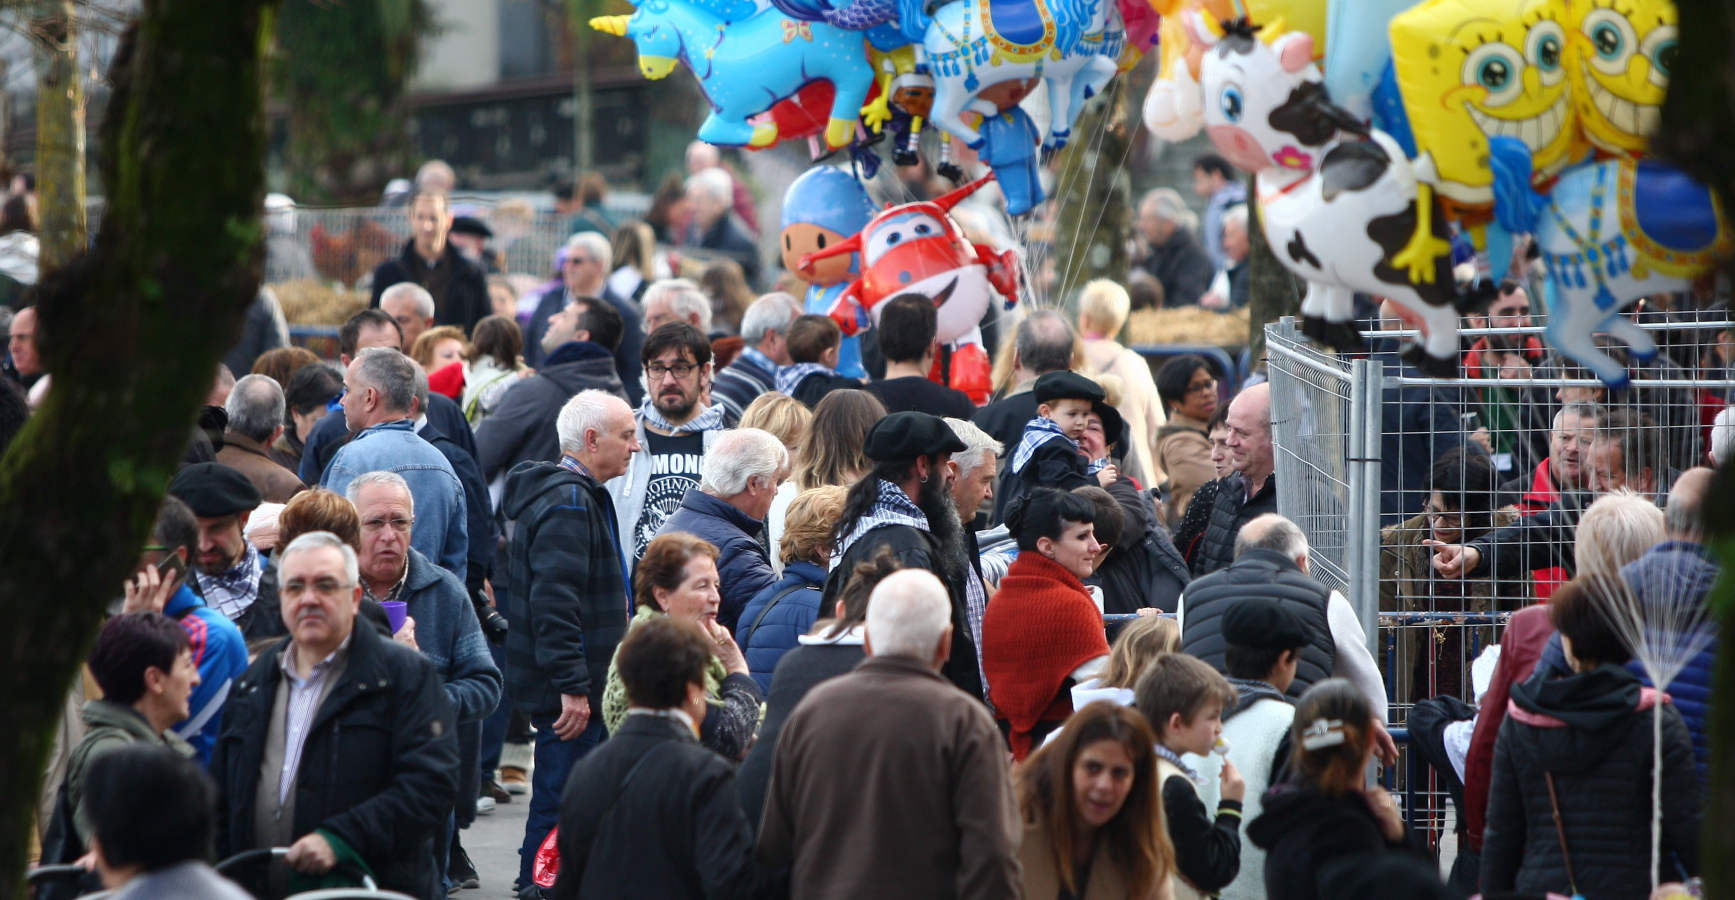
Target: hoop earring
x,y
924,479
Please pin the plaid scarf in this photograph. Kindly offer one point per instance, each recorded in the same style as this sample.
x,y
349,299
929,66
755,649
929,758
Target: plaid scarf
x,y
1175,758
709,420
1039,431
232,591
791,375
891,507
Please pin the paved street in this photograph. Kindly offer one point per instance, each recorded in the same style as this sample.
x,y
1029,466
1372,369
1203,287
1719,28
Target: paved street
x,y
493,845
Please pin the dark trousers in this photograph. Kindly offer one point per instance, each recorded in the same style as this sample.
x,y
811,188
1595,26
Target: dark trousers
x,y
1427,722
494,727
554,761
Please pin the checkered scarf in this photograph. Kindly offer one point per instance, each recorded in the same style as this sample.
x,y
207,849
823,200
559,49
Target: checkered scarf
x,y
789,376
232,591
1039,431
709,420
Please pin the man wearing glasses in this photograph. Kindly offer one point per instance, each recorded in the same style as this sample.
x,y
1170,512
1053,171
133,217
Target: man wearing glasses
x,y
675,428
438,621
584,270
339,742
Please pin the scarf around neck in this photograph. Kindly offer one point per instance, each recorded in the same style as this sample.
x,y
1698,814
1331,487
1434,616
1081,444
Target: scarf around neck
x,y
709,420
1039,431
891,507
788,377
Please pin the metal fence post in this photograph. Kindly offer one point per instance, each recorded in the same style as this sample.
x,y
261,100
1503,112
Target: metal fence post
x,y
1366,379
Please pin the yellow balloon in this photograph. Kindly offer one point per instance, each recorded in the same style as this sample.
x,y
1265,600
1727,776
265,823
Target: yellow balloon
x,y
1621,55
1471,70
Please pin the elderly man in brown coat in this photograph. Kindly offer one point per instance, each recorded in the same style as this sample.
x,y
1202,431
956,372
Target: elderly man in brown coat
x,y
889,781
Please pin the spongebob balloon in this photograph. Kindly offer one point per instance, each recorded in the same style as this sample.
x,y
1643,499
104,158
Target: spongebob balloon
x,y
1621,55
1472,70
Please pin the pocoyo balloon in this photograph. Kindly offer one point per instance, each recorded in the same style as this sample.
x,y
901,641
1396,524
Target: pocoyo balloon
x,y
822,209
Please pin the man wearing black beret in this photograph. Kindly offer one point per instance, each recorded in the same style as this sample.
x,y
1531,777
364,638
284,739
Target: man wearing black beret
x,y
227,571
1263,641
905,505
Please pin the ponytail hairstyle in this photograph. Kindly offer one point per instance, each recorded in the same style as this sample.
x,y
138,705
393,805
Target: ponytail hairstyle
x,y
1332,734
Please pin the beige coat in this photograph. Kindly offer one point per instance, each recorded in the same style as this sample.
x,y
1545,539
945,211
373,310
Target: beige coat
x,y
1139,406
1107,882
1184,452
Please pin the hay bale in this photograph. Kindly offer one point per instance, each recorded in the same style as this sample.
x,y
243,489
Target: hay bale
x,y
1188,325
312,302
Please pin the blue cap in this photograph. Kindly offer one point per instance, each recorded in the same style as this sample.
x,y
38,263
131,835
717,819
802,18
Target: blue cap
x,y
830,198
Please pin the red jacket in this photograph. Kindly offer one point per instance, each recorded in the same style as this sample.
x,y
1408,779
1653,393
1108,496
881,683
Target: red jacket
x,y
1039,627
1521,646
1542,494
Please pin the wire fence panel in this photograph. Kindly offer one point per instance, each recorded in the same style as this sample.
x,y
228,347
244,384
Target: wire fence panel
x,y
1524,459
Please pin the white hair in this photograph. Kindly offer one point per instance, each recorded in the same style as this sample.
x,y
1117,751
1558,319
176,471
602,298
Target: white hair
x,y
770,313
685,300
593,244
1236,215
316,540
1723,435
1615,530
979,446
1271,532
737,457
390,479
279,214
1581,410
715,182
255,406
1104,304
436,170
586,411
907,612
419,295
1166,204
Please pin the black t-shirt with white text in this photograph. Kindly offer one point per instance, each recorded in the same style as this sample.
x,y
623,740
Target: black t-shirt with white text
x,y
675,461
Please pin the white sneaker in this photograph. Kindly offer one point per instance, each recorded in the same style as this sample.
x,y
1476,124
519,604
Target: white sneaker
x,y
484,806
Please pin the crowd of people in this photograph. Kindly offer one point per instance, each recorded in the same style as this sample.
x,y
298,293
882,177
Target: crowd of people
x,y
740,625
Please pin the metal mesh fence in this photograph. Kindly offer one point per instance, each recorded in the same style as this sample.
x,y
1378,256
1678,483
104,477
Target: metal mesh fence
x,y
1504,465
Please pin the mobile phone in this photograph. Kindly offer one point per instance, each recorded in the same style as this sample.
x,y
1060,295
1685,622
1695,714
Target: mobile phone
x,y
172,568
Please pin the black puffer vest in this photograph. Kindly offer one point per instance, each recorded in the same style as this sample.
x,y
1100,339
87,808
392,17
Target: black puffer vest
x,y
1228,513
1260,573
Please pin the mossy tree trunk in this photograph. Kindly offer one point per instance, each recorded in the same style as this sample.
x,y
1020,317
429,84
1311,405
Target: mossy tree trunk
x,y
1272,292
1093,207
131,331
59,132
1698,117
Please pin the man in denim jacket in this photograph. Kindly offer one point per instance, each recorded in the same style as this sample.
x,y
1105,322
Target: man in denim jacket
x,y
379,394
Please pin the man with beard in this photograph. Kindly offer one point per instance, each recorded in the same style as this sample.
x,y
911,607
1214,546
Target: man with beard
x,y
1512,415
674,432
905,503
227,571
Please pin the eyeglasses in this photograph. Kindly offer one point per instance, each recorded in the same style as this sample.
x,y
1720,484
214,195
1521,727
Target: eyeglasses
x,y
398,524
1199,386
324,587
680,370
1443,517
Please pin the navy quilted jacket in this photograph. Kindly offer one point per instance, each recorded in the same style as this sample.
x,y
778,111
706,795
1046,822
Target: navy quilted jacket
x,y
1675,574
765,640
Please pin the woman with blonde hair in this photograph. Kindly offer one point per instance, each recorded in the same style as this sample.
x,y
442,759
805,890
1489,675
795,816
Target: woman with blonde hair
x,y
787,418
634,245
1140,641
777,616
677,577
1093,819
1103,307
